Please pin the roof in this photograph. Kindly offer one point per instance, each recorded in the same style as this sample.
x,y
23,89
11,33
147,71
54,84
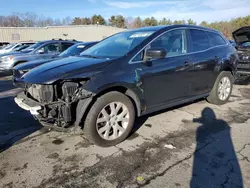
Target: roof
x,y
59,40
160,27
86,43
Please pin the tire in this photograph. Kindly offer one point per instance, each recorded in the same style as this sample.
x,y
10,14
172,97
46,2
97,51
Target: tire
x,y
104,102
214,94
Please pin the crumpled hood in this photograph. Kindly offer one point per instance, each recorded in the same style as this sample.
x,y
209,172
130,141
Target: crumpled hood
x,y
242,35
63,69
32,64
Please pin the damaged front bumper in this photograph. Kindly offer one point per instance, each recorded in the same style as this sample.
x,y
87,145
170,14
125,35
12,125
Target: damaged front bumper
x,y
28,104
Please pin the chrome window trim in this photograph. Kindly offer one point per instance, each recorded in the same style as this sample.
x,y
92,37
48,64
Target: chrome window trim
x,y
190,53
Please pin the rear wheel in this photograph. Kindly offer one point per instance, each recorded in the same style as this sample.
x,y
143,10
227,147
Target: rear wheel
x,y
222,88
110,119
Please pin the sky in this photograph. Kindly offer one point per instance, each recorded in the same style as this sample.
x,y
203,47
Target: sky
x,y
198,10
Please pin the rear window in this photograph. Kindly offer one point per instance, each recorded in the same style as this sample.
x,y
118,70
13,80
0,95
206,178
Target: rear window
x,y
199,39
215,39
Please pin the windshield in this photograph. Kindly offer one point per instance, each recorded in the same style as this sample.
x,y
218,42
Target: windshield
x,y
9,46
245,44
117,45
32,47
21,47
73,50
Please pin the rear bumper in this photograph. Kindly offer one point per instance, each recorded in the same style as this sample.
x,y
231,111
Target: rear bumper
x,y
27,104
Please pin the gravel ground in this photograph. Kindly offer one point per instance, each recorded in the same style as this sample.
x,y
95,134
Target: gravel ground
x,y
195,145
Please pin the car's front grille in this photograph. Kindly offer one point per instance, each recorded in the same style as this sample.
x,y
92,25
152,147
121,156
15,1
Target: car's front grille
x,y
243,66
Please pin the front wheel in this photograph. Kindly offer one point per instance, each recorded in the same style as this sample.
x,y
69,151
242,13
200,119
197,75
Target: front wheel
x,y
222,89
110,119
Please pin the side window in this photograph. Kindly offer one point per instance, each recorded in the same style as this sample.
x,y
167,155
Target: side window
x,y
174,42
65,46
215,39
199,40
50,48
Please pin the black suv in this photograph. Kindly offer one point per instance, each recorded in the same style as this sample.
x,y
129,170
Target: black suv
x,y
242,39
130,74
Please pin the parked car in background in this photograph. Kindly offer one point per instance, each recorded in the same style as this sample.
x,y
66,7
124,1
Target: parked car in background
x,y
74,50
3,45
12,47
130,74
39,50
242,38
18,49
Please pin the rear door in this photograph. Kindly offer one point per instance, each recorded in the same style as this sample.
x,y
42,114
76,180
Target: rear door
x,y
204,59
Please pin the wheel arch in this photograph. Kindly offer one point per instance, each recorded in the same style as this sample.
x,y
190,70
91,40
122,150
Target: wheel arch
x,y
84,105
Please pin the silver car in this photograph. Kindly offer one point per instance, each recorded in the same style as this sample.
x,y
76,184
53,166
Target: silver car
x,y
39,50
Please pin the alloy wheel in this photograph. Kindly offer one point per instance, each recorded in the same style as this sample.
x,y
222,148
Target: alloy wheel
x,y
112,121
224,88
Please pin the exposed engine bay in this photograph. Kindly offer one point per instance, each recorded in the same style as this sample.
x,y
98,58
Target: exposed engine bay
x,y
58,101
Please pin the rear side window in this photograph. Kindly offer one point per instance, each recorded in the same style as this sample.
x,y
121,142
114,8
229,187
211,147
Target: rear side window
x,y
66,45
215,39
199,40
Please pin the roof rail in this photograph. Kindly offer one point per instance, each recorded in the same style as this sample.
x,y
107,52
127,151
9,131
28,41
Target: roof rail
x,y
56,39
71,39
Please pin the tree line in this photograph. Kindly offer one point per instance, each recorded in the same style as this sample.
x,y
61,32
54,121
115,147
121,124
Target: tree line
x,y
30,19
226,27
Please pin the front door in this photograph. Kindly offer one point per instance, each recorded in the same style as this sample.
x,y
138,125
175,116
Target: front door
x,y
166,80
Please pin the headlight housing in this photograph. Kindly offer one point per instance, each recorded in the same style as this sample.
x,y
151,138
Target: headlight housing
x,y
7,58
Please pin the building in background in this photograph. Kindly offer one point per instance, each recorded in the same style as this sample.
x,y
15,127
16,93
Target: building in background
x,y
81,33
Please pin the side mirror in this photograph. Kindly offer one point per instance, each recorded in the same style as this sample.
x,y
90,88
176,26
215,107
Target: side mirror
x,y
155,53
40,51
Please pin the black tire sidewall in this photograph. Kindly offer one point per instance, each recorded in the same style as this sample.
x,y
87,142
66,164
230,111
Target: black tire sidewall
x,y
90,122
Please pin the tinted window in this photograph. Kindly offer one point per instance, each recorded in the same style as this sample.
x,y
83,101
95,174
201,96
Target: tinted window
x,y
33,47
199,40
174,42
65,46
118,45
73,50
215,39
50,48
245,44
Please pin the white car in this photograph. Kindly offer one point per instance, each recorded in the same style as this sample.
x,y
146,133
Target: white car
x,y
13,46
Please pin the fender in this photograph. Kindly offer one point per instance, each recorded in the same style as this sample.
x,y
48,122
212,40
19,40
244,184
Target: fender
x,y
84,104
